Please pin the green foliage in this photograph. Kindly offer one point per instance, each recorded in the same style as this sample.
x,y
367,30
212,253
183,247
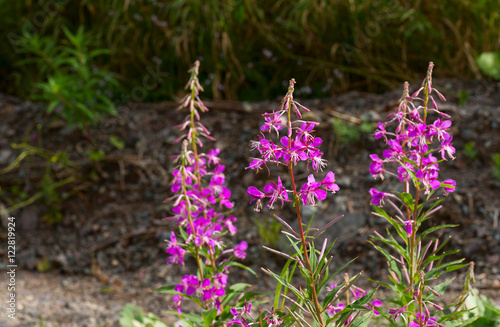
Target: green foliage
x,y
132,316
55,164
43,265
349,133
346,132
96,155
470,151
119,144
489,62
488,315
496,165
369,45
68,78
463,96
269,231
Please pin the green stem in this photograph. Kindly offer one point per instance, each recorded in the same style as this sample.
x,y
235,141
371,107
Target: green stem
x,y
299,216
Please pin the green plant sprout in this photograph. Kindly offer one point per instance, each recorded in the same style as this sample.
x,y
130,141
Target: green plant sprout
x,y
470,151
496,165
69,78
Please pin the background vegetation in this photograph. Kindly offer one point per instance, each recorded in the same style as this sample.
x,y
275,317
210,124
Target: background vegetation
x,y
248,48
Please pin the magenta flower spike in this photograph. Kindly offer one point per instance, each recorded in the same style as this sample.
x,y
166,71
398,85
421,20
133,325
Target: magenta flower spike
x,y
413,145
199,205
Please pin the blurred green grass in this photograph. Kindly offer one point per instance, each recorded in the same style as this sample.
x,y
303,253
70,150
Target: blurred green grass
x,y
249,48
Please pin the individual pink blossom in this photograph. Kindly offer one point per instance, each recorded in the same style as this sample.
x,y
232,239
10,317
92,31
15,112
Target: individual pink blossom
x,y
377,166
449,185
273,121
276,192
408,227
311,191
255,194
380,132
329,182
175,251
447,147
377,197
239,250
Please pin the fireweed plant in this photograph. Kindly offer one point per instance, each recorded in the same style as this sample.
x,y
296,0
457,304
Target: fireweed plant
x,y
415,148
286,140
200,206
309,298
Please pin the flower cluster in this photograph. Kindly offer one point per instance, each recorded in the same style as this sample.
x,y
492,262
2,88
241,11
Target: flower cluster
x,y
299,144
198,207
243,317
414,143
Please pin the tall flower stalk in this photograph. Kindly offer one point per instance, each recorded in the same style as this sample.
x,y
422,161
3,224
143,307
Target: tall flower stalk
x,y
299,145
416,261
200,208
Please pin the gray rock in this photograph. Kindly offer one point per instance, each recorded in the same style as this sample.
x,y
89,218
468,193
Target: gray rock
x,y
5,155
28,219
27,259
344,181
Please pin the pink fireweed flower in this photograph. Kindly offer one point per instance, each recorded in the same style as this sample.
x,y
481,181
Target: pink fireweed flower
x,y
447,147
408,227
223,198
311,191
180,213
273,319
310,144
414,113
429,179
239,250
270,152
255,194
417,136
377,197
373,305
377,167
316,160
332,310
395,150
439,128
402,170
424,320
292,151
241,310
230,226
273,121
212,156
381,132
305,130
449,185
175,250
275,192
257,164
395,313
329,182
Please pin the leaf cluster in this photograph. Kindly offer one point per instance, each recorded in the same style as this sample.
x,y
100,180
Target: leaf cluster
x,y
68,78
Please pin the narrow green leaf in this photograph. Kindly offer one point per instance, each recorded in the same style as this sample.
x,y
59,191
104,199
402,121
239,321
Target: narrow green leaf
x,y
407,199
435,228
240,265
208,317
331,295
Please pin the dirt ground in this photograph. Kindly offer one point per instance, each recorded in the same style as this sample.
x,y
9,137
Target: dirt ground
x,y
109,248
